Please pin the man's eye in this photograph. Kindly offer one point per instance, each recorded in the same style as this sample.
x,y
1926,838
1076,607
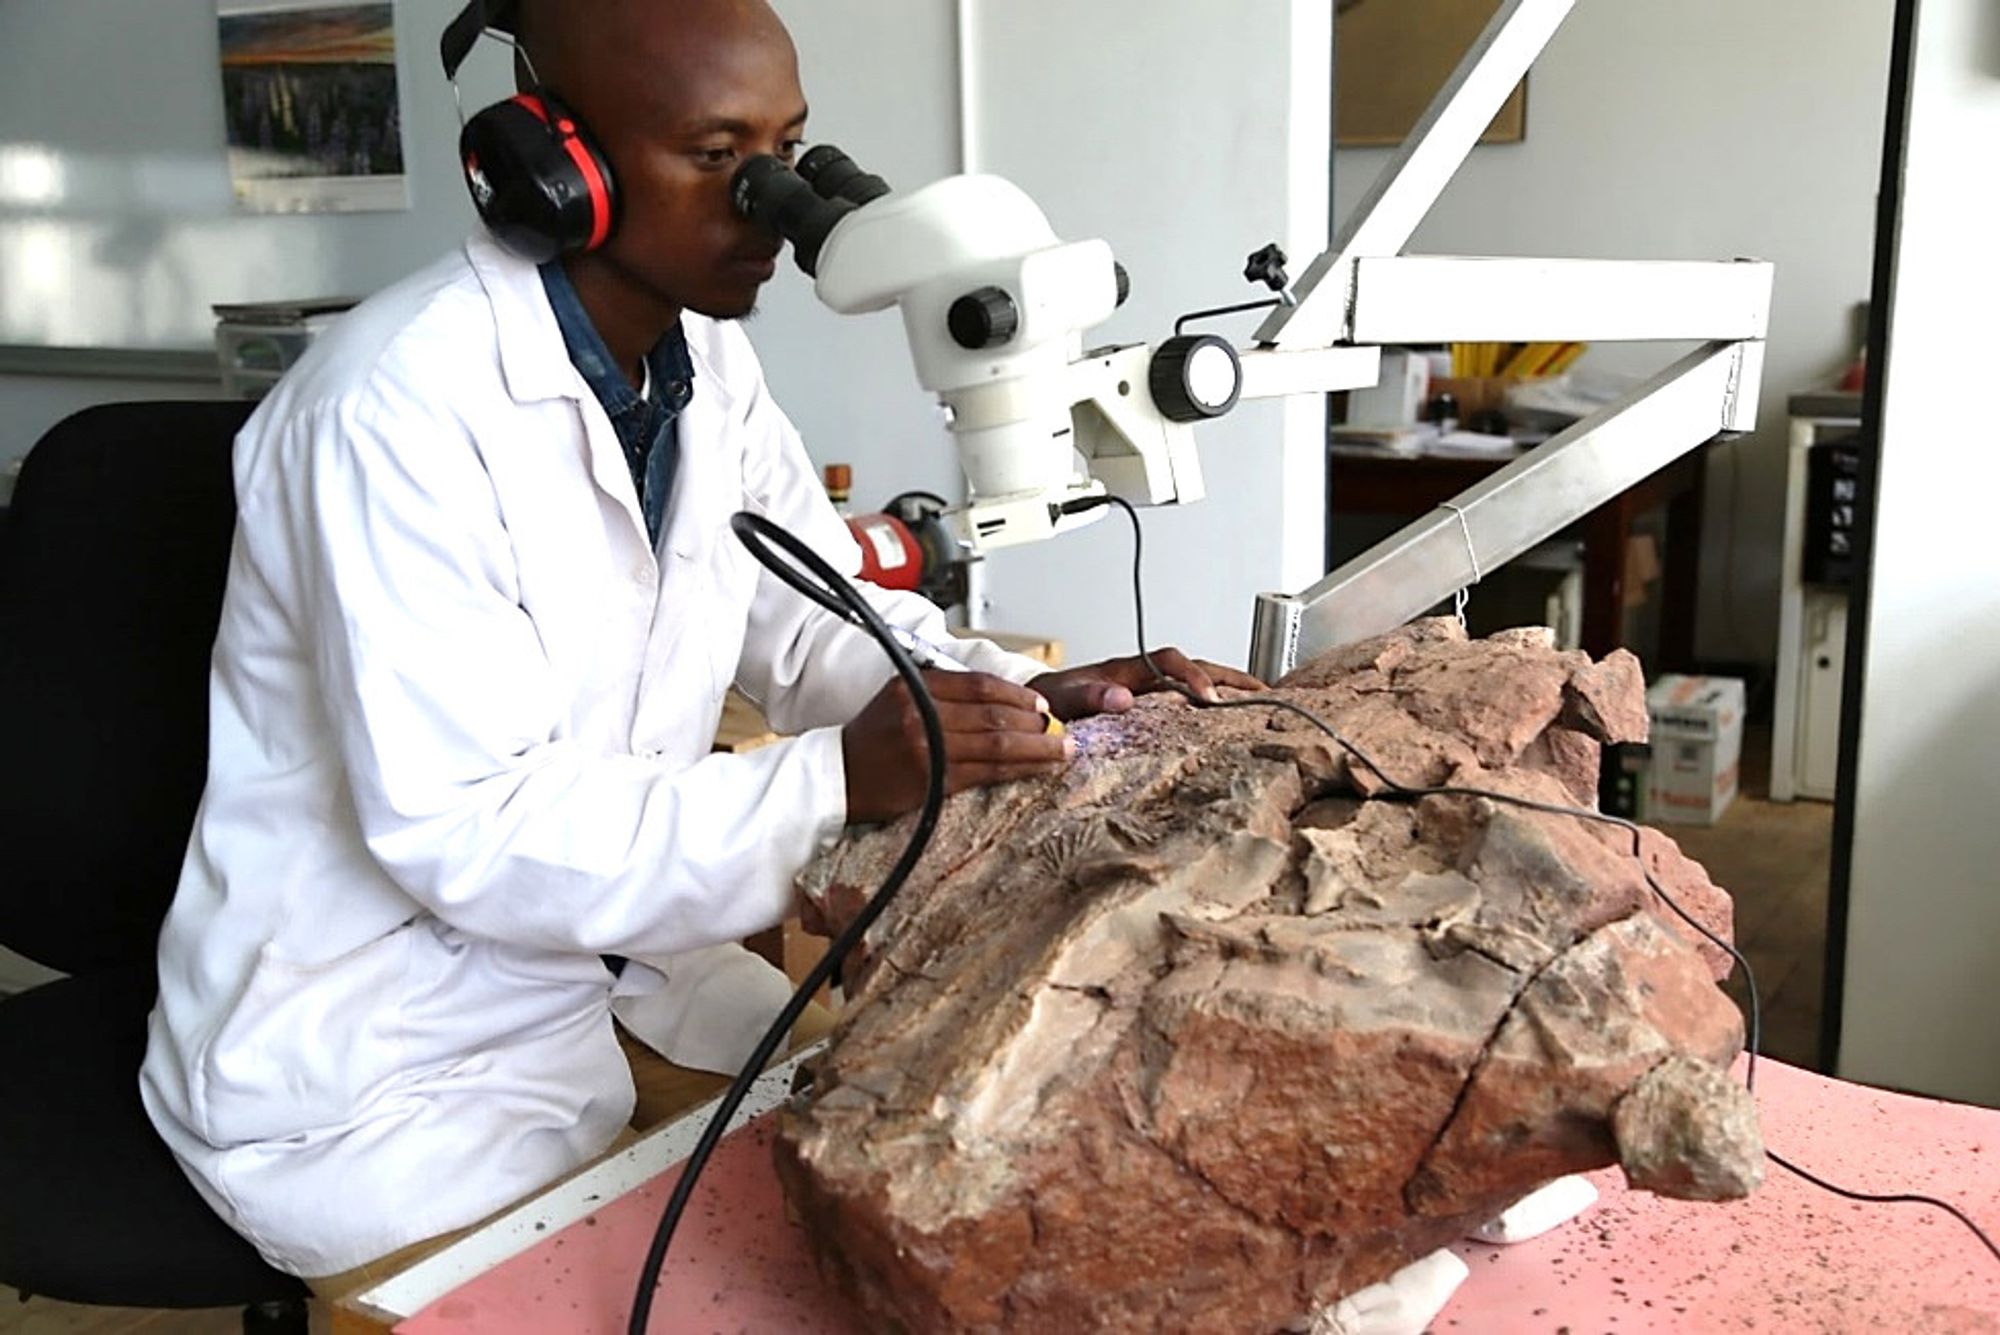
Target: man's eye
x,y
790,148
715,157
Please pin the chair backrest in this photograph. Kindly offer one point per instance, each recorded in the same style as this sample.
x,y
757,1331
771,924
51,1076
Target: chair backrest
x,y
111,574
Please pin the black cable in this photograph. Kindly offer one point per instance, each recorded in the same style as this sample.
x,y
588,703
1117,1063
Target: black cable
x,y
837,595
1898,1198
826,592
1754,1032
1192,316
901,496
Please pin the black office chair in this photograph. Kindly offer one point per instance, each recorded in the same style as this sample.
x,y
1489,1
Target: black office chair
x,y
111,576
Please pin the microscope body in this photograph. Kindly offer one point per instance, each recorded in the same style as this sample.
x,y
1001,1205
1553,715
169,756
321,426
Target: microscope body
x,y
994,306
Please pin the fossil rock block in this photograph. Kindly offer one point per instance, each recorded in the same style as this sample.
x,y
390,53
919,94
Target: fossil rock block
x,y
1220,1026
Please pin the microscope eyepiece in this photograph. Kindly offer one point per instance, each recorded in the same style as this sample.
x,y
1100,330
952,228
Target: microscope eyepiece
x,y
803,206
771,194
836,176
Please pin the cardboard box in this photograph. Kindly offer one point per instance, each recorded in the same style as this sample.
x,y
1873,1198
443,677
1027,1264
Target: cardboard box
x,y
1398,398
1697,742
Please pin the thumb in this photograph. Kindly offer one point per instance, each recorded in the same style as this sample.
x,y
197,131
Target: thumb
x,y
1105,697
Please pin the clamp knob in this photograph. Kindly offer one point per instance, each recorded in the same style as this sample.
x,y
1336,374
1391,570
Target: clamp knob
x,y
984,318
1267,266
1194,376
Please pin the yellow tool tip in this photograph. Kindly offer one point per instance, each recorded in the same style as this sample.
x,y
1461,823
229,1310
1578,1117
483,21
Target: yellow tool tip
x,y
1054,727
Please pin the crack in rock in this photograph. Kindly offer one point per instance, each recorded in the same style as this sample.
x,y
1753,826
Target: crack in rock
x,y
1215,1027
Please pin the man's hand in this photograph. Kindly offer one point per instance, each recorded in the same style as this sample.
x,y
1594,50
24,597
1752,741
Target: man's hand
x,y
994,731
1108,687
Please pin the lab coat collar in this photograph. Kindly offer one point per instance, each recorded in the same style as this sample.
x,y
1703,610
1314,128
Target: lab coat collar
x,y
533,359
705,338
535,365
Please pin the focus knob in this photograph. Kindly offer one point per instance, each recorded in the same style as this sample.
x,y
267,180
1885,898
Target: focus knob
x,y
1194,376
1124,281
985,318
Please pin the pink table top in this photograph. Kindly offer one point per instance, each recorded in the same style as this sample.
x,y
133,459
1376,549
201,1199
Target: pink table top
x,y
1791,1258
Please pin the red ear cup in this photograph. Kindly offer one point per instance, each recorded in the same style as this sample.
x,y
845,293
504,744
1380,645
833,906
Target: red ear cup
x,y
583,154
537,178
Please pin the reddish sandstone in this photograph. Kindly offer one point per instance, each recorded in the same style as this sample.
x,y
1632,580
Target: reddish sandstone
x,y
1225,1023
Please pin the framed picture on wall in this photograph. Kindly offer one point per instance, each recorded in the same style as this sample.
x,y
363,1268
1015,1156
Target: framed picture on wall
x,y
1392,56
311,105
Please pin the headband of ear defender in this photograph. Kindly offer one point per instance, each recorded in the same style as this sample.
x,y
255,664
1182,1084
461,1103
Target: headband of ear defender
x,y
538,180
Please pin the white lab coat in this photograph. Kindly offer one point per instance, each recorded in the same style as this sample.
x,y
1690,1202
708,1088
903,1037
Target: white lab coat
x,y
460,729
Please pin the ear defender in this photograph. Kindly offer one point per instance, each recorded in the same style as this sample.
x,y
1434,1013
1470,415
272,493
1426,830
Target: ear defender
x,y
537,178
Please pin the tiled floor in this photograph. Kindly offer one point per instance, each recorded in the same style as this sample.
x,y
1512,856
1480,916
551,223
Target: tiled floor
x,y
1771,856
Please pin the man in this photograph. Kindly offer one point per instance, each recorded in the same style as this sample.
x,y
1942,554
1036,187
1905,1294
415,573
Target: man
x,y
482,610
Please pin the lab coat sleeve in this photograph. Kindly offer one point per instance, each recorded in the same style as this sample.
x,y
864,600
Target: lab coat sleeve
x,y
450,721
804,666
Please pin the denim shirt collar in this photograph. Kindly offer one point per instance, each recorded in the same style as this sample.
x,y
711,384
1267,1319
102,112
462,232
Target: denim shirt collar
x,y
647,426
672,366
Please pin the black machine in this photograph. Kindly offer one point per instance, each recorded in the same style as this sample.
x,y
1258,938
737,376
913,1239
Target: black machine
x,y
1833,497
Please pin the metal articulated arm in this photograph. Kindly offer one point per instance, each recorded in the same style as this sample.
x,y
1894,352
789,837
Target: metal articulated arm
x,y
1362,293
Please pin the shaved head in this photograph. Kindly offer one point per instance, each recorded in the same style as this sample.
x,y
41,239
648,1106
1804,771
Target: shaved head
x,y
677,95
615,57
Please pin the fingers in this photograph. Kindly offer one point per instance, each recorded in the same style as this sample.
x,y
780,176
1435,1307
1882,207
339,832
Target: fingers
x,y
1103,689
978,753
991,727
987,721
1105,697
1069,693
1108,687
994,731
980,688
1229,676
1179,667
1202,676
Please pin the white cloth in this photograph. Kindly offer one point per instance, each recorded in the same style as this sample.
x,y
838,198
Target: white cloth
x,y
459,747
1404,1304
1408,1301
1548,1206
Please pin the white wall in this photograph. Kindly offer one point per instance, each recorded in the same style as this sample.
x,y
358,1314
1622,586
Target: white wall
x,y
1184,143
882,83
116,223
1656,127
138,150
1698,129
1187,144
1921,997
